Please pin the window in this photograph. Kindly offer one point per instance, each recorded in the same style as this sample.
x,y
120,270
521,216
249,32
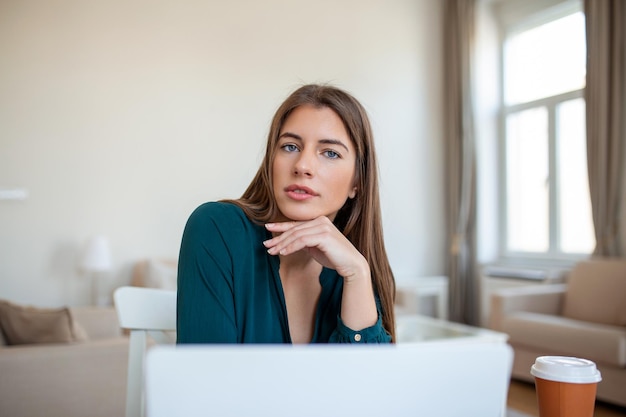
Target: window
x,y
546,210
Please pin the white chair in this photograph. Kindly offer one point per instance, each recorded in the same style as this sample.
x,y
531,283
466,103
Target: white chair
x,y
143,311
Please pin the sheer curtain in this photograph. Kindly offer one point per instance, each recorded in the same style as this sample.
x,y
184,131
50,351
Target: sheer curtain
x,y
460,160
606,118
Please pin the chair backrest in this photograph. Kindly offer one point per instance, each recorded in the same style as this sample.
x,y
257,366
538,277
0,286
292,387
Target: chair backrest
x,y
595,291
143,311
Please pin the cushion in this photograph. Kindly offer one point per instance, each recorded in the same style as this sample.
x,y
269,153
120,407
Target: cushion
x,y
98,322
595,292
26,325
161,274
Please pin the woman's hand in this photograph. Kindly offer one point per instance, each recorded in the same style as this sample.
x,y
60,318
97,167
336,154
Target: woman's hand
x,y
323,241
328,246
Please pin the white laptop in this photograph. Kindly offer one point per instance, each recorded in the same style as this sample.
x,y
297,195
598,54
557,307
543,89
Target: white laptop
x,y
421,379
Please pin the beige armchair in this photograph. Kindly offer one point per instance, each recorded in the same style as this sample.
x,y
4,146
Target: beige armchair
x,y
585,317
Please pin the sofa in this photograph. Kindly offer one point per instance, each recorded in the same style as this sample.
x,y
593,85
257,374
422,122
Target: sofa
x,y
70,361
65,362
583,317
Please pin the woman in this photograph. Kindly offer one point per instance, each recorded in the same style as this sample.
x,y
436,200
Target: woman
x,y
300,257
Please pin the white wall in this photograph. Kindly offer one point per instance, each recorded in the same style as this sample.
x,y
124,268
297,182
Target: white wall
x,y
119,117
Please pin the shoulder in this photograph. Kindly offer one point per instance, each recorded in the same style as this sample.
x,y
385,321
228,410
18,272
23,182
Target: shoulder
x,y
221,230
221,216
218,210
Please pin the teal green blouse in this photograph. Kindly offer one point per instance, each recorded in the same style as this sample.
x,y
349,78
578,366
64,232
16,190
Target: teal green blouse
x,y
229,289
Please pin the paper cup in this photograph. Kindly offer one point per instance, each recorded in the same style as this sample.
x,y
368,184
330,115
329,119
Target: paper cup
x,y
566,386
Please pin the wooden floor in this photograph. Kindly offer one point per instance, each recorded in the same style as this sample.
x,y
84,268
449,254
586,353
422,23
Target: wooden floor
x,y
522,398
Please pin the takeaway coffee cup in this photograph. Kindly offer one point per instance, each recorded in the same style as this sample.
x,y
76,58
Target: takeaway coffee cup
x,y
566,386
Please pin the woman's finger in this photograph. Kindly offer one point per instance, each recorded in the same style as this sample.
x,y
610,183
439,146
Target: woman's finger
x,y
285,230
281,227
294,239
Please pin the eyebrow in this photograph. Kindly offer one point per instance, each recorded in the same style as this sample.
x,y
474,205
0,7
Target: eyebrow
x,y
326,141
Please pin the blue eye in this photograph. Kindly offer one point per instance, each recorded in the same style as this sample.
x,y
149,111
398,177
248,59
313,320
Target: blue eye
x,y
290,147
332,154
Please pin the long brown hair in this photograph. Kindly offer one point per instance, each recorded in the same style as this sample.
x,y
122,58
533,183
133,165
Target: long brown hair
x,y
360,218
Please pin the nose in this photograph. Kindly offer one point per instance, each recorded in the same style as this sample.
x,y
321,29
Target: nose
x,y
305,164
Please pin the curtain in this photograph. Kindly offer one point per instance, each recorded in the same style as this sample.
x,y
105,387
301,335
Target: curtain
x,y
606,118
460,160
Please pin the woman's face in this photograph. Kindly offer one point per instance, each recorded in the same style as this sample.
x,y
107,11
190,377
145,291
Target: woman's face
x,y
314,165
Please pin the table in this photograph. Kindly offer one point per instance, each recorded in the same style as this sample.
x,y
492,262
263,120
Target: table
x,y
410,291
413,328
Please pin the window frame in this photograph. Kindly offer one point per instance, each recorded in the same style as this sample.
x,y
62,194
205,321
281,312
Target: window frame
x,y
513,17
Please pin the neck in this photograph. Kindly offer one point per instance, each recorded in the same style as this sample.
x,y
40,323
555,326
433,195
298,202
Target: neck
x,y
298,261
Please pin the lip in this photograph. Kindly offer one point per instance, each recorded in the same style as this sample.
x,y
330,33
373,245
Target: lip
x,y
300,192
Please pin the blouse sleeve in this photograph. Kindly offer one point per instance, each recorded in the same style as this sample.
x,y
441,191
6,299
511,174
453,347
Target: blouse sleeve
x,y
373,334
205,309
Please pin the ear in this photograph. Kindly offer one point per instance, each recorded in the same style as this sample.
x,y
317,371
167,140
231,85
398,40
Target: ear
x,y
352,193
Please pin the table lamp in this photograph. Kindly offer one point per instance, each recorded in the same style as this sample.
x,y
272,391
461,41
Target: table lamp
x,y
96,261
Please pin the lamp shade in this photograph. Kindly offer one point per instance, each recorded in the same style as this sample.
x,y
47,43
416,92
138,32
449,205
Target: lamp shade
x,y
97,256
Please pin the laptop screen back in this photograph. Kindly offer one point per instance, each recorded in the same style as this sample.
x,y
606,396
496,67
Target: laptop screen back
x,y
428,379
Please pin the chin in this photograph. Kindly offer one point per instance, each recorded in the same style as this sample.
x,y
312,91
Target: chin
x,y
299,217
299,214
305,215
